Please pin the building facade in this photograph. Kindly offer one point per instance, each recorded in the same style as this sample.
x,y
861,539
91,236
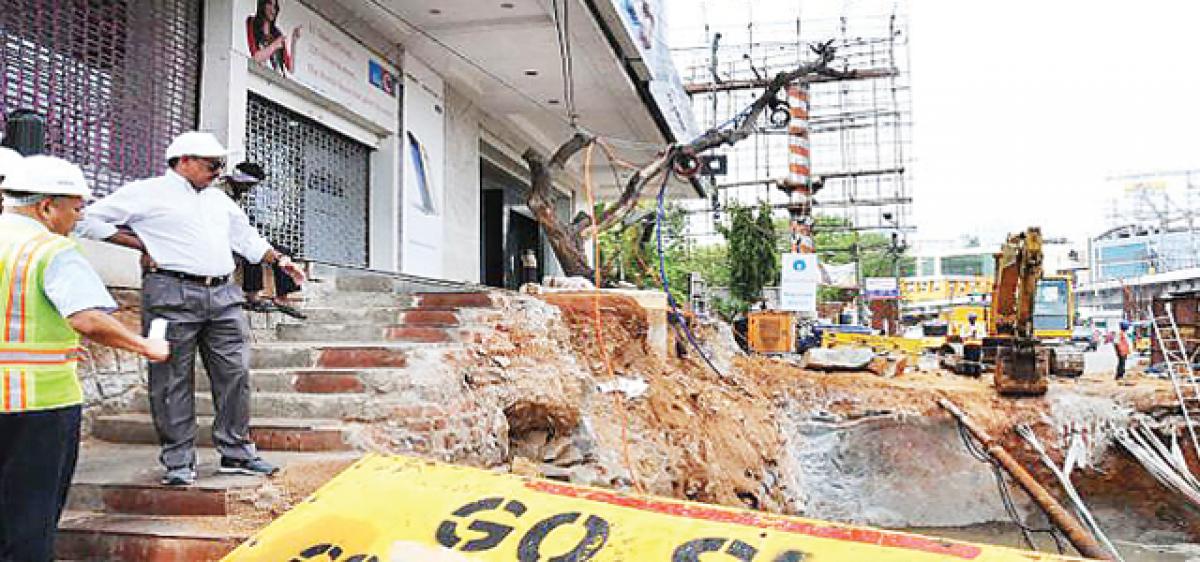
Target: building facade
x,y
392,132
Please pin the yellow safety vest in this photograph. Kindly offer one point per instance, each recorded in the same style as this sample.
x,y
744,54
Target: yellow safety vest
x,y
38,348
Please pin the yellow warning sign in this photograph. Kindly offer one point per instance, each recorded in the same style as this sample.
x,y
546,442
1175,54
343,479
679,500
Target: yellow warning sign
x,y
397,509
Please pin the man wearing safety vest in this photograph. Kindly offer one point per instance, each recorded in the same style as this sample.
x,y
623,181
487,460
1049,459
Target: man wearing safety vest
x,y
49,295
1121,344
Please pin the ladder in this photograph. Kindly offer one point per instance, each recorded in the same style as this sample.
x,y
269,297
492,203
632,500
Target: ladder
x,y
1178,365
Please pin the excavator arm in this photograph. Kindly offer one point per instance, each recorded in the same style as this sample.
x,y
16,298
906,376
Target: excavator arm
x,y
1018,270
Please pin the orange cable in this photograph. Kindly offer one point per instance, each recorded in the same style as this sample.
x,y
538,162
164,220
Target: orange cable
x,y
612,156
599,324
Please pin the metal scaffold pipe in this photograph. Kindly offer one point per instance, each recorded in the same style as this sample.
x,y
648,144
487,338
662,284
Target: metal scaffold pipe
x,y
1080,538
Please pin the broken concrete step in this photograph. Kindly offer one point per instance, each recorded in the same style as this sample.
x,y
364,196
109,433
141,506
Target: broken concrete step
x,y
120,478
336,355
361,332
280,434
359,299
282,405
144,538
384,316
365,283
353,315
455,300
307,381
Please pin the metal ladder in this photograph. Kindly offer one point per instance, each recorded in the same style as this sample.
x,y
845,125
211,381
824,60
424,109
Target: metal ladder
x,y
1178,365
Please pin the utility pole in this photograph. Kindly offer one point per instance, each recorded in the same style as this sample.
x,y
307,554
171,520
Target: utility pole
x,y
860,301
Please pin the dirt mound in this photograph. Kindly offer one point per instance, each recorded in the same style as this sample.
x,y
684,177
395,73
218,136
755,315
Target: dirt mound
x,y
694,434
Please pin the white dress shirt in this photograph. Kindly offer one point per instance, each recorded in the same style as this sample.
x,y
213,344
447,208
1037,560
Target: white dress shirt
x,y
69,281
183,229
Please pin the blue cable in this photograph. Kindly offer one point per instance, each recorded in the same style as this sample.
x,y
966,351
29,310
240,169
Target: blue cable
x,y
680,324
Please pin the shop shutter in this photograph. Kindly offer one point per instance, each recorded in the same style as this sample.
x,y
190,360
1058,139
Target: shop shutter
x,y
116,80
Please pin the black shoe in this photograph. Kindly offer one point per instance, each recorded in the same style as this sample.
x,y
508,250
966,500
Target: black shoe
x,y
182,476
260,306
290,311
254,467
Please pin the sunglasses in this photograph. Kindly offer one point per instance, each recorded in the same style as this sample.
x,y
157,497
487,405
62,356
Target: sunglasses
x,y
214,164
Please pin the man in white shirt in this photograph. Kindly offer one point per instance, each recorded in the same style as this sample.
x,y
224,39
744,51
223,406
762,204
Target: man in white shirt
x,y
189,233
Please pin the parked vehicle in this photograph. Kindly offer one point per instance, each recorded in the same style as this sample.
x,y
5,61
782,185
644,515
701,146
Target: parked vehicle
x,y
1084,337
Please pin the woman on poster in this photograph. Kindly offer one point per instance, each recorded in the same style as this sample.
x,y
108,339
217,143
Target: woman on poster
x,y
268,45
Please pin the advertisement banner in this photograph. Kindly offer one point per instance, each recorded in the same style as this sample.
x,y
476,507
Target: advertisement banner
x,y
646,22
800,274
300,45
400,509
882,288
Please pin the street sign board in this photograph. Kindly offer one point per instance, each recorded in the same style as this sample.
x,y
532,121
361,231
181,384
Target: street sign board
x,y
882,288
798,286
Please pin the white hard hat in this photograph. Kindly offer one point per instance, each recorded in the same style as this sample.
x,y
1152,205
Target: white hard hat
x,y
9,159
47,175
196,143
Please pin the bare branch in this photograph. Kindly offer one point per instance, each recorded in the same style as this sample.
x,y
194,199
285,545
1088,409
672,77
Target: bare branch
x,y
714,138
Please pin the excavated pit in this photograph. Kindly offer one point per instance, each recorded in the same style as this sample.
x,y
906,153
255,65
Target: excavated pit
x,y
765,434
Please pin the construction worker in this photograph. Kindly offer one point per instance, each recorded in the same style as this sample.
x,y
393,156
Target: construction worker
x,y
190,233
51,296
1121,344
974,330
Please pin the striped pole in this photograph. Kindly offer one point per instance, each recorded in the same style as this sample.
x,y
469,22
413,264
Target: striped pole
x,y
799,157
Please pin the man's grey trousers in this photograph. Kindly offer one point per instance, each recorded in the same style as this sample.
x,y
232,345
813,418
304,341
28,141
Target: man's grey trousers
x,y
211,320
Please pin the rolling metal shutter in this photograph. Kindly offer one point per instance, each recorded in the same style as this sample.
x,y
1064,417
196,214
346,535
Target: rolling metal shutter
x,y
115,79
314,200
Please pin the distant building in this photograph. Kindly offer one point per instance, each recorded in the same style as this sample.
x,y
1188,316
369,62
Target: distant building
x,y
943,276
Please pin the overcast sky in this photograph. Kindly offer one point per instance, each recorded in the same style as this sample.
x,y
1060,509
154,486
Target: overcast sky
x,y
1023,108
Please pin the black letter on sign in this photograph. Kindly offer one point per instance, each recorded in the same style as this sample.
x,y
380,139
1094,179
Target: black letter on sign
x,y
493,533
690,551
597,535
791,556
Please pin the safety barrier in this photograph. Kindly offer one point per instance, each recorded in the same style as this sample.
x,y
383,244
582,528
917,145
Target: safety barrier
x,y
910,346
411,510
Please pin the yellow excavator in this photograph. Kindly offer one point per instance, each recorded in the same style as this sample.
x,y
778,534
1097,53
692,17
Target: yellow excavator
x,y
1024,321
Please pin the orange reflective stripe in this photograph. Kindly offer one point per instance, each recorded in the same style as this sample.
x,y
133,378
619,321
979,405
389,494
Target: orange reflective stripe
x,y
25,274
13,286
24,391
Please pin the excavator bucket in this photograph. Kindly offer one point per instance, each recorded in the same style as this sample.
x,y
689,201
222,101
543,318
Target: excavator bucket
x,y
1022,368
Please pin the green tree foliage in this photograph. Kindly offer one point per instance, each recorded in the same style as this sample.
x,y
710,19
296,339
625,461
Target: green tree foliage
x,y
630,254
753,254
836,247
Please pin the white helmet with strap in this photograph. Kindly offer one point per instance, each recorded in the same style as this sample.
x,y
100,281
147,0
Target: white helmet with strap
x,y
47,175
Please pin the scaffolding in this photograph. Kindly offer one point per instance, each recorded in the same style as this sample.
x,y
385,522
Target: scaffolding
x,y
859,129
1152,225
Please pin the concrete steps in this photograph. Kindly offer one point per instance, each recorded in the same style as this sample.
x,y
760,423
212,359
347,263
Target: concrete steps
x,y
124,478
306,377
320,332
290,405
360,299
269,434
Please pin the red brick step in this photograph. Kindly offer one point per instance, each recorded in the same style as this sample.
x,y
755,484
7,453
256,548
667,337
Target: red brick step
x,y
143,538
454,300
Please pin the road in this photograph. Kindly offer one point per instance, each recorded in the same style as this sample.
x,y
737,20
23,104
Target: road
x,y
1103,362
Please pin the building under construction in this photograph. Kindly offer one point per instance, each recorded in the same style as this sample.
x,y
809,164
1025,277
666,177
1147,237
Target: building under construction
x,y
849,150
1149,248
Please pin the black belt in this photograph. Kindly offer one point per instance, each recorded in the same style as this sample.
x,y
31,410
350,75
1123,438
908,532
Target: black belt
x,y
207,281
